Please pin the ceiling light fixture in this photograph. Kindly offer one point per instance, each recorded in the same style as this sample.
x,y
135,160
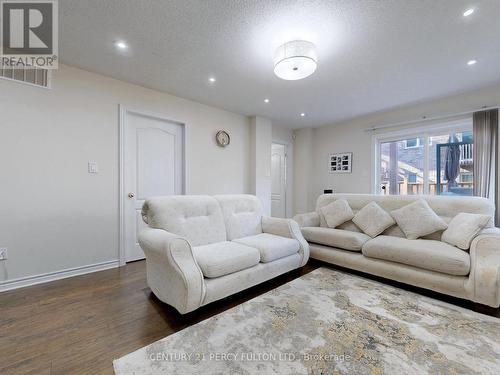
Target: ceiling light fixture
x,y
266,100
302,114
471,62
295,60
121,44
468,12
212,79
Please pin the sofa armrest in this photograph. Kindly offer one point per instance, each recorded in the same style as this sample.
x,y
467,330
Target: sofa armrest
x,y
484,278
286,228
310,219
172,271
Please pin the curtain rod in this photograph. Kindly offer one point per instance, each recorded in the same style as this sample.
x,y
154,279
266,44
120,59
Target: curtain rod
x,y
425,119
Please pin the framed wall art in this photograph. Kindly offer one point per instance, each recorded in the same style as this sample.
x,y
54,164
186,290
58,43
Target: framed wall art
x,y
340,163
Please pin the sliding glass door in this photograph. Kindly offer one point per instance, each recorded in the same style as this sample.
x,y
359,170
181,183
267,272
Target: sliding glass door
x,y
452,163
438,161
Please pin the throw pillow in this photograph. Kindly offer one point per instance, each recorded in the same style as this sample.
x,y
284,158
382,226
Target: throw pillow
x,y
373,219
337,212
463,228
418,219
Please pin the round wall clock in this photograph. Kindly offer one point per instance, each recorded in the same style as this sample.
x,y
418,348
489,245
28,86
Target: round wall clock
x,y
222,138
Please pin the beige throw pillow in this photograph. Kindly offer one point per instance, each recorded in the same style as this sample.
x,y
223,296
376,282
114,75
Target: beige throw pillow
x,y
373,219
418,219
463,228
337,212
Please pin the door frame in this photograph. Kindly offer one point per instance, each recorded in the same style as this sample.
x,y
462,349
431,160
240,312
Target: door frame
x,y
288,175
123,111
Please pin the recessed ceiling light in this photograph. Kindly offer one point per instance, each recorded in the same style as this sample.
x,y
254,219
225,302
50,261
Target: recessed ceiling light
x,y
121,44
302,114
468,12
266,100
212,79
471,62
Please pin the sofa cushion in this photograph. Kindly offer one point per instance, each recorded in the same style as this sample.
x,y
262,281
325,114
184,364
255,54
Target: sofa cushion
x,y
427,254
446,207
397,232
342,239
463,228
373,220
242,215
196,217
271,247
337,212
417,219
348,225
222,258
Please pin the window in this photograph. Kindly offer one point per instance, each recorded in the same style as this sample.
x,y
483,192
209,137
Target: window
x,y
400,166
466,177
467,137
438,160
412,143
412,178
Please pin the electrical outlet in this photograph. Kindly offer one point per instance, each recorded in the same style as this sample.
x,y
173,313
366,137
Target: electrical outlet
x,y
3,253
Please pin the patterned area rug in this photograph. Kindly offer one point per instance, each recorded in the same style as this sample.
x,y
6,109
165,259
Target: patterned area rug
x,y
329,322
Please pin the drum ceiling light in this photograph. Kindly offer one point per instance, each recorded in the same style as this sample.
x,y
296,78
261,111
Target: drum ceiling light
x,y
295,60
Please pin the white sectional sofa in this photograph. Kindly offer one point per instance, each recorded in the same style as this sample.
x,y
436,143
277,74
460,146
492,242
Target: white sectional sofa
x,y
426,262
201,248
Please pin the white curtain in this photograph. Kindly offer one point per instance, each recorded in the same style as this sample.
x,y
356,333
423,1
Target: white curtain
x,y
486,163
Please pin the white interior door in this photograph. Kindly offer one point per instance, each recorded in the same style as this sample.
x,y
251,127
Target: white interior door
x,y
278,180
153,165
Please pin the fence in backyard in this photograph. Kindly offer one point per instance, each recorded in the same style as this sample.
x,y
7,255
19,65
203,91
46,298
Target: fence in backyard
x,y
415,188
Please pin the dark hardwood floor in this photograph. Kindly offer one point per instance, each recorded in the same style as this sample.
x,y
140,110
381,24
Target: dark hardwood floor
x,y
79,325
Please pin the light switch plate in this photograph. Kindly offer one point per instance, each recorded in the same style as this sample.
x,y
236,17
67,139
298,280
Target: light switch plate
x,y
3,253
93,167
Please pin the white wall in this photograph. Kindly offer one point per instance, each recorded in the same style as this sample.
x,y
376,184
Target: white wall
x,y
285,136
302,169
312,176
260,160
54,215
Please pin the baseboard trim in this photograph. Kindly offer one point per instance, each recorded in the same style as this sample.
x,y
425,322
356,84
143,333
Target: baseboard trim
x,y
57,275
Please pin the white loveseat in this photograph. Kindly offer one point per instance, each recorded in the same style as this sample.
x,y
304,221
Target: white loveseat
x,y
201,248
428,262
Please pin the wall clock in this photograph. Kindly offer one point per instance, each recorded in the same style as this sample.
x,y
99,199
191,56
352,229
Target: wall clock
x,y
223,139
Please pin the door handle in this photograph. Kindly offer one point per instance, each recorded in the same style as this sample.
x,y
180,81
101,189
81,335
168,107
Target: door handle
x,y
131,195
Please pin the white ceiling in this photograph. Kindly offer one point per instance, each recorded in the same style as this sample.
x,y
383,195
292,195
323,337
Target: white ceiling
x,y
373,55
